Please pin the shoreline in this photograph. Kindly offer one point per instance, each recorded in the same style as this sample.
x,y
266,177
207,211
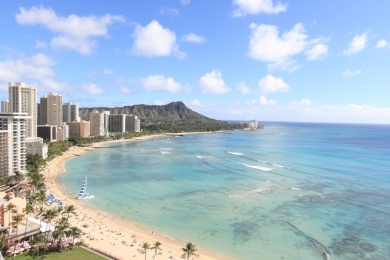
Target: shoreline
x,y
105,227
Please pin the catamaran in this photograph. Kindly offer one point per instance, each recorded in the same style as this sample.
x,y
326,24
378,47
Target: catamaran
x,y
83,193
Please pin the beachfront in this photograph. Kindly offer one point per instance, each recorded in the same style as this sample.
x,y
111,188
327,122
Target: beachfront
x,y
116,236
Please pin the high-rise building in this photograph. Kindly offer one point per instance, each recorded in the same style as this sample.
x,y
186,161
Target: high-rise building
x,y
96,120
47,132
74,113
13,128
35,145
70,112
81,128
66,112
42,111
23,99
133,124
5,106
117,123
54,109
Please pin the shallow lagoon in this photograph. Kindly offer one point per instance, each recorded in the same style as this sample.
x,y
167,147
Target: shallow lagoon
x,y
290,191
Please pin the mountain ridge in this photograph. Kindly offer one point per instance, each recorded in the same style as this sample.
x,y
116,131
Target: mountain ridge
x,y
172,111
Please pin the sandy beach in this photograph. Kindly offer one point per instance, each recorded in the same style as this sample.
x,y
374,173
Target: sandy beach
x,y
116,236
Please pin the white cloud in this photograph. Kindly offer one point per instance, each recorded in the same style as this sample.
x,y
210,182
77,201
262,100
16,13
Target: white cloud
x,y
262,101
382,44
40,45
160,83
349,73
108,71
359,43
153,40
169,11
35,68
317,52
212,83
124,90
243,88
191,37
245,7
74,32
159,102
270,84
195,103
266,45
303,102
185,2
92,89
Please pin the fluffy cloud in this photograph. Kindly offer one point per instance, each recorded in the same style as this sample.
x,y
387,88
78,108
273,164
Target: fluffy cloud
x,y
160,82
303,102
185,2
40,45
245,7
349,73
159,102
317,52
74,32
382,44
108,71
359,43
243,88
92,89
35,68
191,37
153,40
270,84
262,101
212,83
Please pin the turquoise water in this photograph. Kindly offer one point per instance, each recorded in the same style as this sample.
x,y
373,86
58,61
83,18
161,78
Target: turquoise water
x,y
289,191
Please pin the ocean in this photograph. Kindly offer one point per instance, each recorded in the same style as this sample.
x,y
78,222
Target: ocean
x,y
288,191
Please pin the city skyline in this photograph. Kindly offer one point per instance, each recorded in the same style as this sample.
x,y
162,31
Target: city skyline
x,y
241,59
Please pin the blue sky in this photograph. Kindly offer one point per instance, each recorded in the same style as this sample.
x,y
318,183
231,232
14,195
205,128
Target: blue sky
x,y
311,61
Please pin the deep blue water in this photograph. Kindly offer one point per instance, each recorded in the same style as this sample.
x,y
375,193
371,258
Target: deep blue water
x,y
289,191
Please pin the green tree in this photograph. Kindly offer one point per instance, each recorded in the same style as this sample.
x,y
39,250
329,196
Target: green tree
x,y
156,247
28,211
69,210
60,230
49,215
189,250
75,233
145,246
10,208
16,221
40,242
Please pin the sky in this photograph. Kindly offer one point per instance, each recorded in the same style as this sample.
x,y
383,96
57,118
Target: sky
x,y
302,61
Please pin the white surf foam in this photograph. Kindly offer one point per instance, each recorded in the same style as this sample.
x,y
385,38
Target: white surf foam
x,y
268,181
162,152
295,188
236,153
200,157
166,149
257,190
277,165
257,167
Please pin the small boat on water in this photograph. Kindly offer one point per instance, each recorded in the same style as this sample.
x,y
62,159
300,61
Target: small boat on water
x,y
83,193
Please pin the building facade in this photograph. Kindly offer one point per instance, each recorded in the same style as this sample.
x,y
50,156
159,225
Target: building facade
x,y
81,129
133,124
42,112
13,128
5,106
35,145
96,120
63,132
117,123
23,99
47,132
54,109
74,113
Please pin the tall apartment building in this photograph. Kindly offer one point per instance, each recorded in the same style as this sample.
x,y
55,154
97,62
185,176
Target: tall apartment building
x,y
133,124
35,145
117,123
5,106
47,132
13,128
81,129
70,112
42,111
96,120
23,99
54,109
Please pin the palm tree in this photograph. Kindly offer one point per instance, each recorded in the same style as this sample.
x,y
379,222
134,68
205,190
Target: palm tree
x,y
9,208
69,210
40,212
49,215
16,221
75,232
60,231
189,250
156,246
28,211
145,246
39,241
